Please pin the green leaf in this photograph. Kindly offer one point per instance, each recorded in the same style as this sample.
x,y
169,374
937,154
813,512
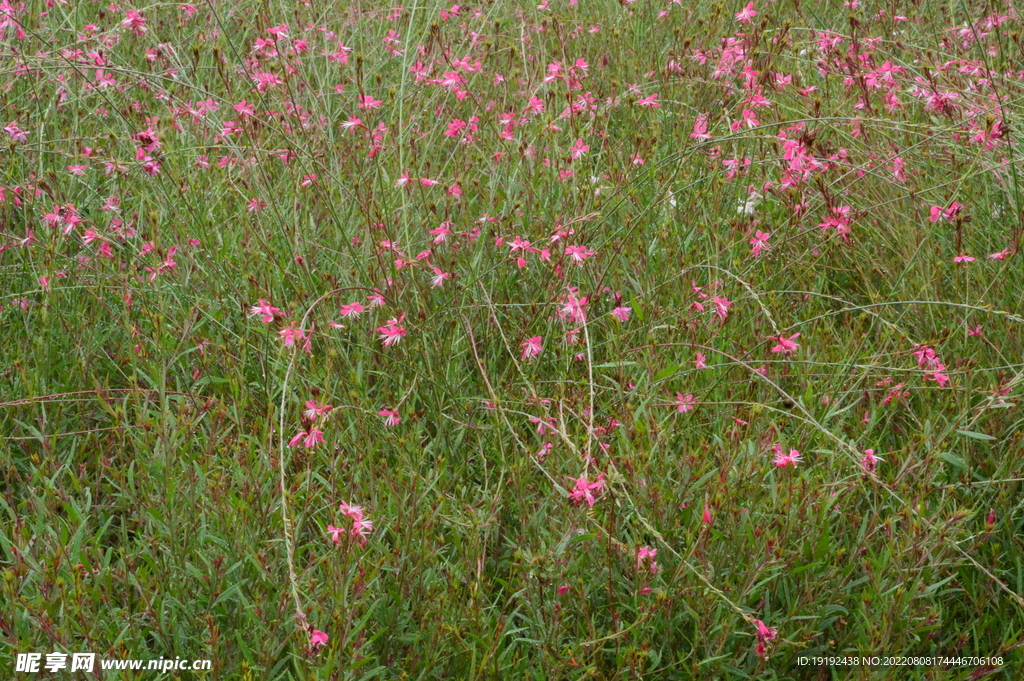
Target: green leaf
x,y
953,460
975,436
637,309
666,372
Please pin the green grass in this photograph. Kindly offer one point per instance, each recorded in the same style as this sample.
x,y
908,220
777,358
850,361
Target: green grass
x,y
151,504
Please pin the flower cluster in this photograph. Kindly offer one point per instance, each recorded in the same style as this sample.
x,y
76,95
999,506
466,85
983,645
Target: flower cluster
x,y
361,527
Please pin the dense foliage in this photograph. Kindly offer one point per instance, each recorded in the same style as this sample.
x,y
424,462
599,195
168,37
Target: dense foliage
x,y
575,340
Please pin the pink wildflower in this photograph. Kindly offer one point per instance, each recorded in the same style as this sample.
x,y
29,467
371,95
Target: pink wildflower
x,y
439,277
579,253
786,346
622,313
869,462
783,460
531,347
764,635
685,403
307,439
578,149
317,639
746,14
392,332
351,310
313,410
587,491
645,554
938,212
264,308
700,128
759,242
134,21
722,306
291,334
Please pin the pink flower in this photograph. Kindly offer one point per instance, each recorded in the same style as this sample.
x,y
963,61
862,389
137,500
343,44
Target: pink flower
x,y
707,514
391,417
870,461
938,212
134,21
579,253
764,635
746,14
587,491
336,533
531,347
963,258
786,346
439,277
722,306
578,149
362,528
839,220
622,313
700,128
685,403
1001,255
354,512
264,308
759,242
544,451
392,332
317,639
351,310
573,308
105,80
442,233
368,102
313,410
927,358
352,123
782,460
16,133
700,362
291,334
308,439
645,554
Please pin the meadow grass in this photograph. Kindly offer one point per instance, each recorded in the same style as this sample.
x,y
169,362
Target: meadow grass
x,y
351,341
